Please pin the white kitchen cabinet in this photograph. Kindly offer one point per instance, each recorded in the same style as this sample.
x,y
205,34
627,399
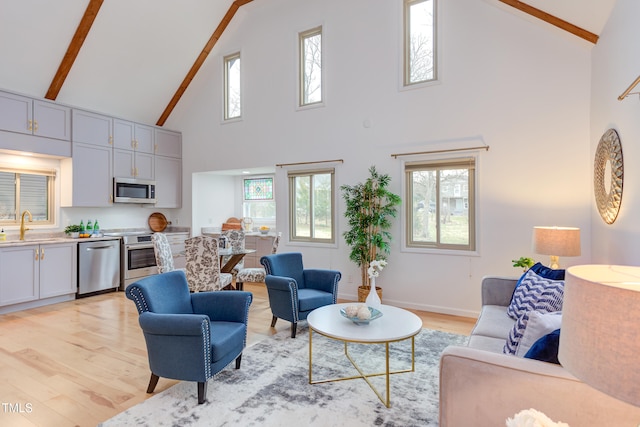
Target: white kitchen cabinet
x,y
29,116
133,136
92,128
36,272
19,274
86,178
168,176
168,143
132,164
58,269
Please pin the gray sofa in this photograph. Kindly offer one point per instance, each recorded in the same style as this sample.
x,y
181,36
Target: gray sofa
x,y
481,386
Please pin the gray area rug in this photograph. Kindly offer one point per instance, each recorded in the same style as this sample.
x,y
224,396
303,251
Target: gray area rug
x,y
272,387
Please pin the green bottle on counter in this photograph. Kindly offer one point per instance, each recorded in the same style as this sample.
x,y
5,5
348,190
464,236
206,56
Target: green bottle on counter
x,y
81,227
89,227
96,227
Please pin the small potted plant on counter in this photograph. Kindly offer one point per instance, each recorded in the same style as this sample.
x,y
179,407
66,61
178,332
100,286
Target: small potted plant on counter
x,y
73,231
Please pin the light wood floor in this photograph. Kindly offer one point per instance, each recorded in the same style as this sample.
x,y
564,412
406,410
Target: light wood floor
x,y
81,362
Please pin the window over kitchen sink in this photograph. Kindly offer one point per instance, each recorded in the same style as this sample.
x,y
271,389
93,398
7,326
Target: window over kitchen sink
x,y
258,201
26,189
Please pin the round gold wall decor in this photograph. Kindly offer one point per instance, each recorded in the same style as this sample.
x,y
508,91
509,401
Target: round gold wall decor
x,y
608,173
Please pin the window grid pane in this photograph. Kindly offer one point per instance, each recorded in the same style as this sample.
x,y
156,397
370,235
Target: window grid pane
x,y
233,105
8,196
311,201
26,191
442,213
419,41
258,189
311,67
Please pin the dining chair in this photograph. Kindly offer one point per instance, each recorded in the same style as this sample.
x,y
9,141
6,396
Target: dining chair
x,y
203,265
189,336
236,241
294,291
255,274
162,252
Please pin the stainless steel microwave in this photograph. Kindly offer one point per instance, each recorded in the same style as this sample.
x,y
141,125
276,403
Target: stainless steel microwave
x,y
131,190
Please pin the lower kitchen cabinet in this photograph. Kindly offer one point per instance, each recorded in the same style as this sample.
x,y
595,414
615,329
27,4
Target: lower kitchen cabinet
x,y
262,245
58,267
37,272
176,241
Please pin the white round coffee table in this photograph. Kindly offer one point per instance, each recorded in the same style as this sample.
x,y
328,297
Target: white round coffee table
x,y
396,324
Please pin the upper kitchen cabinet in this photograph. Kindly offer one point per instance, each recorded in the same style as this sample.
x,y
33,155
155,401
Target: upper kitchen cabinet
x,y
86,178
168,182
133,136
92,128
133,164
168,143
29,116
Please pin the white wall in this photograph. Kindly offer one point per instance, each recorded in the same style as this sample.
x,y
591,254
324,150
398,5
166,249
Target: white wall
x,y
517,85
615,65
214,199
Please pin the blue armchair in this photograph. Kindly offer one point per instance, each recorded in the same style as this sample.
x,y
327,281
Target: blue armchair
x,y
189,336
293,291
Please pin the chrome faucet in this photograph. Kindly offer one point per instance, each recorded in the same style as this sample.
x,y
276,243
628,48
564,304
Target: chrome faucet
x,y
22,227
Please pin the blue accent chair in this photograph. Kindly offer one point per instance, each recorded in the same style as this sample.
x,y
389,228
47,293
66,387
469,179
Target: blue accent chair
x,y
294,292
189,336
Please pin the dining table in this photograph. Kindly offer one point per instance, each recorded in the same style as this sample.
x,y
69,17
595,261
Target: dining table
x,y
235,256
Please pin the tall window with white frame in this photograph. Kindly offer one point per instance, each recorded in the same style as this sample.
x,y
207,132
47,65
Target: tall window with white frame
x,y
232,98
22,190
419,41
310,67
311,206
441,204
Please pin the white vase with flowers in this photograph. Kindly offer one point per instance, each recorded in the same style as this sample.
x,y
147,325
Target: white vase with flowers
x,y
375,267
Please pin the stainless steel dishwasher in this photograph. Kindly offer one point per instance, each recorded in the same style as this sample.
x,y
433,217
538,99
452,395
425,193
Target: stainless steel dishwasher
x,y
98,266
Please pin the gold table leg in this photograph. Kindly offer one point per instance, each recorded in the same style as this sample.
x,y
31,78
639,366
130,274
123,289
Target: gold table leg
x,y
387,373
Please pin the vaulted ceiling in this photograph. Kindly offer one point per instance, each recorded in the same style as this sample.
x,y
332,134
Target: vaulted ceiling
x,y
138,56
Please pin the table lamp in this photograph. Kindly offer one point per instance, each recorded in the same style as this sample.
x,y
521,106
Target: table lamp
x,y
600,323
556,242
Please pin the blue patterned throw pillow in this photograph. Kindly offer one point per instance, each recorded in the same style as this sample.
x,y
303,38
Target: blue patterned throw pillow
x,y
515,334
536,293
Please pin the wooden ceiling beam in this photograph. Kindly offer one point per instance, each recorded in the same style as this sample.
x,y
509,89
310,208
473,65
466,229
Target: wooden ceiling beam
x,y
201,58
553,20
74,48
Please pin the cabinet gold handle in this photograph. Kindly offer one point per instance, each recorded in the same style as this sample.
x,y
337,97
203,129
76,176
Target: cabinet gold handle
x,y
41,253
35,126
155,148
110,198
30,126
136,171
37,255
110,139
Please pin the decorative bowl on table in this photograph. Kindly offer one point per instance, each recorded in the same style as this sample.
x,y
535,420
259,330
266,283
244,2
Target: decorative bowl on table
x,y
264,230
360,317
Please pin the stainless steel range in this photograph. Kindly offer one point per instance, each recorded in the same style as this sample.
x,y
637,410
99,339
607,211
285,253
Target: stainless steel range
x,y
137,256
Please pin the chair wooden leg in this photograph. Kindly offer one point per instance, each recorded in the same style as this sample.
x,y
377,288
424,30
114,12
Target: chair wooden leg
x,y
294,327
239,286
273,321
153,382
202,392
238,360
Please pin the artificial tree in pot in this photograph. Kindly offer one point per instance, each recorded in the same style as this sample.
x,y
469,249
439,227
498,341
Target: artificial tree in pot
x,y
370,207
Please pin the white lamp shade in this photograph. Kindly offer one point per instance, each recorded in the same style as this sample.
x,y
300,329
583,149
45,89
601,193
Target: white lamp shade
x,y
599,341
558,241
